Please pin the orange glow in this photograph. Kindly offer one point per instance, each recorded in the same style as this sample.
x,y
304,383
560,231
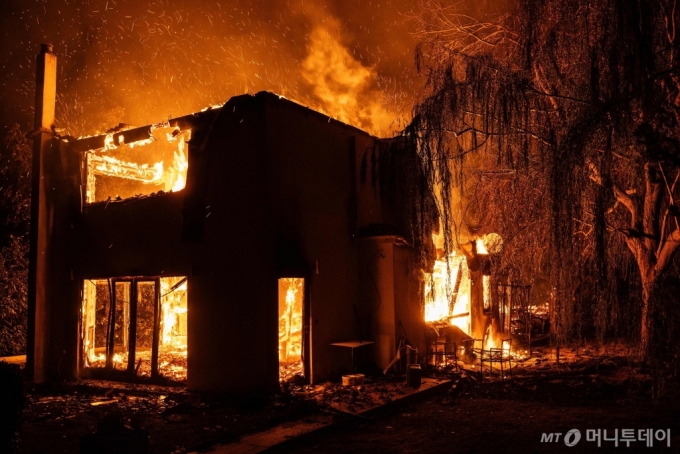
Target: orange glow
x,y
493,339
179,168
172,339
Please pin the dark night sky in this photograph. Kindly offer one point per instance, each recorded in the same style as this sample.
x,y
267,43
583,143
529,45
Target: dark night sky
x,y
140,61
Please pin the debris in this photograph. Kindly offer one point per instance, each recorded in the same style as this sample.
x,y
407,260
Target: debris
x,y
103,402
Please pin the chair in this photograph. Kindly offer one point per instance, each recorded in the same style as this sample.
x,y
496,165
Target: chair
x,y
442,352
494,355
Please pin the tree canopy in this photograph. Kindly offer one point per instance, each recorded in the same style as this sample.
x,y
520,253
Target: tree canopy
x,y
556,124
15,186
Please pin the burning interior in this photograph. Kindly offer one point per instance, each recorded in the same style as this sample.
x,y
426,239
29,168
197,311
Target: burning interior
x,y
291,297
473,312
155,163
447,293
136,327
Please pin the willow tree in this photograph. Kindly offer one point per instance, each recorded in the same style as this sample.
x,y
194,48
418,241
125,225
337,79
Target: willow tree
x,y
573,109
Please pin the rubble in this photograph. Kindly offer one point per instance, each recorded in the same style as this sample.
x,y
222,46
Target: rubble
x,y
291,372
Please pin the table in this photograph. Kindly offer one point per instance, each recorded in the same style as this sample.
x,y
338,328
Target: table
x,y
352,345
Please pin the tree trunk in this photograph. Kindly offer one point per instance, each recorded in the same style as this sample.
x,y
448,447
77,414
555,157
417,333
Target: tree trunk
x,y
647,288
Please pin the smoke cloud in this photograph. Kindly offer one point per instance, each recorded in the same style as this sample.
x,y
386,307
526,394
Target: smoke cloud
x,y
139,62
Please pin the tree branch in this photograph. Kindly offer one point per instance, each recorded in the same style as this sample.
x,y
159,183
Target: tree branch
x,y
670,247
625,198
671,205
630,203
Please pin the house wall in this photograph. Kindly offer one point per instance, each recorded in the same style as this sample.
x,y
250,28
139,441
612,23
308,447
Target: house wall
x,y
312,176
233,304
377,288
54,303
390,297
408,303
133,237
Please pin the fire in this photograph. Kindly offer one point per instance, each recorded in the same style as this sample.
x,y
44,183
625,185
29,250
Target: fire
x,y
134,162
493,339
179,167
344,87
481,248
174,312
290,319
172,334
106,165
447,292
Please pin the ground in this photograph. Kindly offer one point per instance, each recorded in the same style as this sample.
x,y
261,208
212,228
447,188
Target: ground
x,y
504,418
487,415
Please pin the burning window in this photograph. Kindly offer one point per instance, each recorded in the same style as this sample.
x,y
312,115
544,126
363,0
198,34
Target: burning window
x,y
136,326
486,283
447,292
291,297
147,166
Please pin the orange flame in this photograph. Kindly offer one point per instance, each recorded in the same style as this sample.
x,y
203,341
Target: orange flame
x,y
443,288
290,321
174,312
115,161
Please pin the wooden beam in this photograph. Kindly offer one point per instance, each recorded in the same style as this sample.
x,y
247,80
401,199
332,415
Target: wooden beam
x,y
111,327
156,328
132,337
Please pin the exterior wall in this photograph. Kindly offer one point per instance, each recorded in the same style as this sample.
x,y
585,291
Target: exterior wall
x,y
133,237
311,176
378,295
408,303
54,303
233,312
390,297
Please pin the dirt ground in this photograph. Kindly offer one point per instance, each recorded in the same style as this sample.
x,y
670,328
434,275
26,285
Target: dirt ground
x,y
584,392
54,422
505,418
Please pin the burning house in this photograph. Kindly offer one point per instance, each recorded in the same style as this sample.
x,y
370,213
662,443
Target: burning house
x,y
221,247
212,248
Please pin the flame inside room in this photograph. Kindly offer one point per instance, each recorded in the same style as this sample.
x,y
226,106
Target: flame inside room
x,y
137,326
157,163
291,298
